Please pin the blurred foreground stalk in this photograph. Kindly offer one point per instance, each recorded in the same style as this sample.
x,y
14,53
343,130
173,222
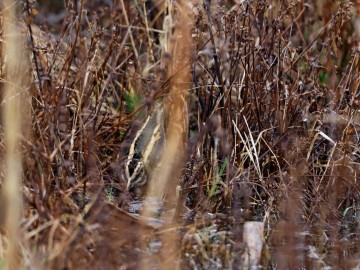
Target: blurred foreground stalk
x,y
14,68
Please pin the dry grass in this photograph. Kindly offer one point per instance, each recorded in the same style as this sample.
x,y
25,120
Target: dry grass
x,y
262,120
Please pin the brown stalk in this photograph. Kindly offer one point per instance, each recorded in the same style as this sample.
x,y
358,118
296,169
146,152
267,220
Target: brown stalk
x,y
13,106
165,181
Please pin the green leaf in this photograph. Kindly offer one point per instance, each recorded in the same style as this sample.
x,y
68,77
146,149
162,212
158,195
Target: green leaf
x,y
218,177
323,77
132,101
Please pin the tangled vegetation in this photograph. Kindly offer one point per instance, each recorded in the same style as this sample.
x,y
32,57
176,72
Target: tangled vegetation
x,y
269,121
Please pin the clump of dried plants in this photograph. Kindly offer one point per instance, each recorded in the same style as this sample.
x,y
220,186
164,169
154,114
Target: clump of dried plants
x,y
264,95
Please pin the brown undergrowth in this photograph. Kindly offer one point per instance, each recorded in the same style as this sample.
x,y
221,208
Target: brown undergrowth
x,y
264,95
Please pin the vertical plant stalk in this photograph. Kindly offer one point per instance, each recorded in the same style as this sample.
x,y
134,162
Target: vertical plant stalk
x,y
12,129
357,30
175,105
131,35
164,182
